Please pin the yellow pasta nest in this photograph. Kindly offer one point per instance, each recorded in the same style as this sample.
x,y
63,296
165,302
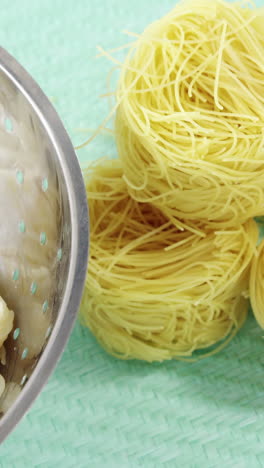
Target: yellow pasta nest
x,y
190,117
153,291
173,240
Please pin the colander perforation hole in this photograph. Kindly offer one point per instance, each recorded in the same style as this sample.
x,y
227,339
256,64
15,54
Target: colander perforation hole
x,y
45,184
33,288
24,353
22,226
59,255
20,177
16,333
8,125
43,238
45,306
48,332
23,380
16,274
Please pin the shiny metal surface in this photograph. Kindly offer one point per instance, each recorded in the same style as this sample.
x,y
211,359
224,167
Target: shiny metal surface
x,y
72,226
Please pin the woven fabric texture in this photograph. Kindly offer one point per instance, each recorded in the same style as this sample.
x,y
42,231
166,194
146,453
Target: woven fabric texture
x,y
97,411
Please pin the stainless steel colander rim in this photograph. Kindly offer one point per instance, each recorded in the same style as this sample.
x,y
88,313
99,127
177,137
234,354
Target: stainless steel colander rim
x,y
79,238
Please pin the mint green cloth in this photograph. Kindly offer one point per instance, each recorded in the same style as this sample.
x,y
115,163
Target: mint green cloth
x,y
97,411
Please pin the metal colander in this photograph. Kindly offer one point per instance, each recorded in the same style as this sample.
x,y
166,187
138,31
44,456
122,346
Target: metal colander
x,y
43,237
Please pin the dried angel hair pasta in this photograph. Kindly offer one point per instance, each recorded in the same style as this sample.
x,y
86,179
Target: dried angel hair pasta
x,y
190,113
172,229
154,291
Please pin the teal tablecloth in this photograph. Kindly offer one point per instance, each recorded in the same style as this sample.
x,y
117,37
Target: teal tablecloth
x,y
97,411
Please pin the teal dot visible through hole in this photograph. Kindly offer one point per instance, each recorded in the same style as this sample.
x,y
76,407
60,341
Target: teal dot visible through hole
x,y
8,124
33,288
16,333
16,275
22,226
24,354
48,332
20,177
45,184
45,306
43,238
23,380
59,254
